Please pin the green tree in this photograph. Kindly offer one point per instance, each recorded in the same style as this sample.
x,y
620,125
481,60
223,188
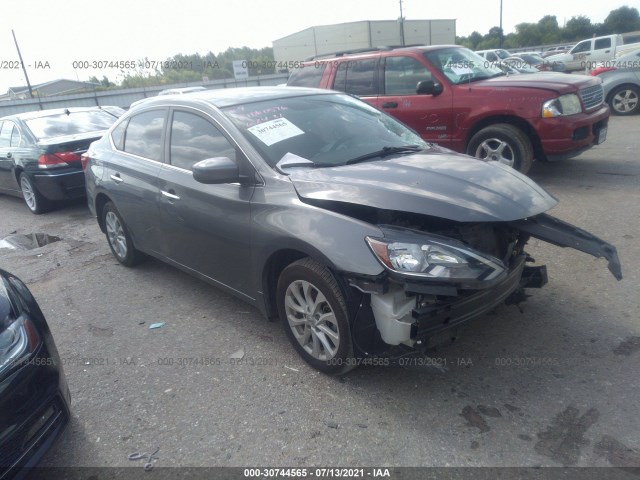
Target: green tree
x,y
578,28
623,19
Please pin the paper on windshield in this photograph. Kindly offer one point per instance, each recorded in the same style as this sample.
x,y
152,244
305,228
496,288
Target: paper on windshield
x,y
459,70
275,131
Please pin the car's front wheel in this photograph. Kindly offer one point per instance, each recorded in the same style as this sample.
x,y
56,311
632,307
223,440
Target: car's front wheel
x,y
503,143
624,100
118,236
34,200
313,311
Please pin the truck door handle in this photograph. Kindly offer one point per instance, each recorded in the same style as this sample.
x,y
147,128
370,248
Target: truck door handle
x,y
116,178
607,51
171,195
9,155
390,105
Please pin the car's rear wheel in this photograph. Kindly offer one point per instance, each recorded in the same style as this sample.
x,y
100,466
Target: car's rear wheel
x,y
314,315
625,100
505,144
34,200
118,236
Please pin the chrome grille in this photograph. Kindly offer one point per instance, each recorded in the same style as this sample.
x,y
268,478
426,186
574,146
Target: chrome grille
x,y
592,97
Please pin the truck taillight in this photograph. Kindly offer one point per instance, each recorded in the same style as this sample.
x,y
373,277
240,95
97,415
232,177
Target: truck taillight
x,y
57,159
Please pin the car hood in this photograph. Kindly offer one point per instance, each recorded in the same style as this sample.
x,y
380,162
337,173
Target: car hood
x,y
449,186
556,82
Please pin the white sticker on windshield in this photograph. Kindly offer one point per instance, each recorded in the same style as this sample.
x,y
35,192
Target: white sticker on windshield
x,y
275,131
461,70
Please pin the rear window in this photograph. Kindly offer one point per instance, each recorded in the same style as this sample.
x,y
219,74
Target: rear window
x,y
307,76
73,123
356,77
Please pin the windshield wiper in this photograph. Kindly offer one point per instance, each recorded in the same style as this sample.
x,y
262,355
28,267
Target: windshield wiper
x,y
384,152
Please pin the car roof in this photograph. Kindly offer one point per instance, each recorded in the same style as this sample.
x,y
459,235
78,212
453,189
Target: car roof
x,y
226,97
51,112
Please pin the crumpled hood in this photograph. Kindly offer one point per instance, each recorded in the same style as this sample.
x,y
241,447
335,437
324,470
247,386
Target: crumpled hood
x,y
444,185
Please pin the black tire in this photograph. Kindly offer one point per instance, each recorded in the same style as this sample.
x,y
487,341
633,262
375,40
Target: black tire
x,y
34,200
517,150
118,237
625,100
323,337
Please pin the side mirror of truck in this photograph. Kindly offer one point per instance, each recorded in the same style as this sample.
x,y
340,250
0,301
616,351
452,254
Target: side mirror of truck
x,y
429,87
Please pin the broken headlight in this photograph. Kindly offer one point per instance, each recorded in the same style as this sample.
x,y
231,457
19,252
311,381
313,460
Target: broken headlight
x,y
435,257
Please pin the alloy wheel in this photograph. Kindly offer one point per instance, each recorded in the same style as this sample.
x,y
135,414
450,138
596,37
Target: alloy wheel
x,y
312,320
115,234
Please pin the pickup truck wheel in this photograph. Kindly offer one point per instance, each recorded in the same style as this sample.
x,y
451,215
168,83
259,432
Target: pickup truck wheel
x,y
118,237
624,100
34,200
503,143
314,315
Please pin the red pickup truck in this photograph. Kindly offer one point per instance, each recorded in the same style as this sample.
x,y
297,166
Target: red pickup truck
x,y
457,99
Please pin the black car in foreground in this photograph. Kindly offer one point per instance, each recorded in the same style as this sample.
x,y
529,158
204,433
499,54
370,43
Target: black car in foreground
x,y
40,152
322,210
34,397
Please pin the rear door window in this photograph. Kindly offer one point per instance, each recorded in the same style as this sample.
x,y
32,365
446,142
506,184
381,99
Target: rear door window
x,y
357,77
143,136
602,43
307,76
5,134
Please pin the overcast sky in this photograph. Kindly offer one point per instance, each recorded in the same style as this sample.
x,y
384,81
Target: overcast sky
x,y
63,31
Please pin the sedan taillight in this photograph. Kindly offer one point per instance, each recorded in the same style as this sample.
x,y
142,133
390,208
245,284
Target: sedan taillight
x,y
57,159
599,70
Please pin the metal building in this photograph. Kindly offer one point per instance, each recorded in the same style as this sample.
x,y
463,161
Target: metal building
x,y
357,35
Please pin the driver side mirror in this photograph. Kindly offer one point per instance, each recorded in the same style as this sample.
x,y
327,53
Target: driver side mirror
x,y
216,170
429,87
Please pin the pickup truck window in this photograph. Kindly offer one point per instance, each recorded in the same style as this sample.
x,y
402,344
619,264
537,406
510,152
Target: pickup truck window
x,y
402,74
602,43
582,47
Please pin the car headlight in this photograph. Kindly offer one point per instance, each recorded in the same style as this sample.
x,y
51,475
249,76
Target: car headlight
x,y
435,257
568,104
17,342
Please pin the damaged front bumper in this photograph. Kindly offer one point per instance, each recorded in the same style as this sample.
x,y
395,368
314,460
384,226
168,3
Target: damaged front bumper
x,y
423,313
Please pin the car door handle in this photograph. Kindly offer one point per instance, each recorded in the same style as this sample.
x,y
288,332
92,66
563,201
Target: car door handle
x,y
116,178
390,105
170,195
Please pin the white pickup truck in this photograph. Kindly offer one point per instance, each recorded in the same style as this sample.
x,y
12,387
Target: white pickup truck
x,y
587,53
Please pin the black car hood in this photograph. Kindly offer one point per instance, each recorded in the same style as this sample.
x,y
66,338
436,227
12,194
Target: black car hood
x,y
445,185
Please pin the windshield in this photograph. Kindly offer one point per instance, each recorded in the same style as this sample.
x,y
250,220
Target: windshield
x,y
328,130
461,65
73,123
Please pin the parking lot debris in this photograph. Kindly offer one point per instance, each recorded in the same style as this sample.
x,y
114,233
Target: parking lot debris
x,y
237,355
153,326
291,368
148,466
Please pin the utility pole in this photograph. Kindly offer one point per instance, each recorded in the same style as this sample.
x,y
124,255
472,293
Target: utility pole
x,y
24,69
501,24
401,20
